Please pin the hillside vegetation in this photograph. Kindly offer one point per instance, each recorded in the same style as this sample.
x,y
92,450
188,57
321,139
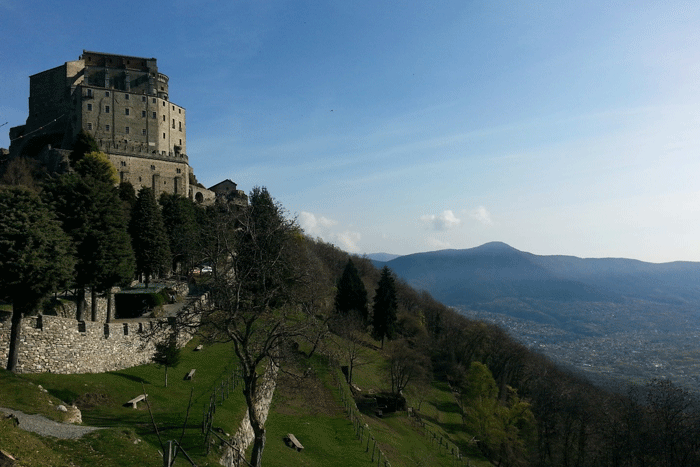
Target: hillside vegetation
x,y
353,348
618,320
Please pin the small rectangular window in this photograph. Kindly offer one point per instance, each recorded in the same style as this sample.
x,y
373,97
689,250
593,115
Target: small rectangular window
x,y
173,123
143,98
106,93
106,127
89,126
163,103
163,117
179,111
143,113
126,111
106,109
126,130
154,100
154,115
143,131
180,125
89,92
126,97
89,107
163,135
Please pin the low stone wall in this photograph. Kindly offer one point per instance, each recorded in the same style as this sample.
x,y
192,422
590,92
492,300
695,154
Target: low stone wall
x,y
63,345
244,436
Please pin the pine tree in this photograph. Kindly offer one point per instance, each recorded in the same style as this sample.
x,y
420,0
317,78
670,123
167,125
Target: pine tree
x,y
167,354
384,307
35,257
84,144
180,220
88,205
148,236
351,295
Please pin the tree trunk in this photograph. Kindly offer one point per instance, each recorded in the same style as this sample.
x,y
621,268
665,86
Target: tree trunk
x,y
258,447
80,304
15,332
93,304
109,305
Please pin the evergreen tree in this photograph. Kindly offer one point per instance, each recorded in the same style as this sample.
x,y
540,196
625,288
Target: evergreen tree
x,y
384,307
88,205
84,144
351,295
35,257
148,236
180,220
167,354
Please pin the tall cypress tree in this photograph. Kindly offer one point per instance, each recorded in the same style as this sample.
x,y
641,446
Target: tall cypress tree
x,y
148,236
384,307
351,295
180,220
87,204
35,257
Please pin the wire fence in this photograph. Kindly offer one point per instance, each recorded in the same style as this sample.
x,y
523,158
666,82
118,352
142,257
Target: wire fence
x,y
220,393
363,432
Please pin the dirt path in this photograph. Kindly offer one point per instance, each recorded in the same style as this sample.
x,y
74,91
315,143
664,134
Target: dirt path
x,y
43,426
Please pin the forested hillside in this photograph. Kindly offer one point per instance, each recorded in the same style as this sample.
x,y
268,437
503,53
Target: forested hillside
x,y
280,299
618,320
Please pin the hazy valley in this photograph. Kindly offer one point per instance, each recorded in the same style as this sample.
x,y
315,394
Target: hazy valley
x,y
615,320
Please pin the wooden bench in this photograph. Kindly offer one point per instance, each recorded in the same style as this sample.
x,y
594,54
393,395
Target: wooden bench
x,y
293,442
190,375
136,400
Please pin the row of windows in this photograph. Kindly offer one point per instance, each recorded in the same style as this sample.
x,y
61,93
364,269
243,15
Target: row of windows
x,y
127,111
127,130
126,97
153,167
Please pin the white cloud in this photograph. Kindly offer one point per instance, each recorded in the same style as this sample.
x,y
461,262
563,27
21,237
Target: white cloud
x,y
436,244
444,221
481,215
348,241
313,225
322,227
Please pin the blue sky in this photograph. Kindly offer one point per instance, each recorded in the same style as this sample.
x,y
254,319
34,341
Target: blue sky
x,y
556,127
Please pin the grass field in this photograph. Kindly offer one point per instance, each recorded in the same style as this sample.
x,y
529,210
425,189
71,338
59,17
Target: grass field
x,y
308,406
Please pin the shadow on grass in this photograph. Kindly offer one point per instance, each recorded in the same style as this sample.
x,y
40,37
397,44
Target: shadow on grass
x,y
448,407
66,395
136,379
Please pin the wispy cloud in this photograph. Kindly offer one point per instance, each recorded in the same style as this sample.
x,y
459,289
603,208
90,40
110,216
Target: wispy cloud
x,y
322,227
314,225
481,214
348,240
443,221
436,244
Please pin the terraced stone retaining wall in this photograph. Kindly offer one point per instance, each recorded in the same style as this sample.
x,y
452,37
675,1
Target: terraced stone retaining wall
x,y
64,345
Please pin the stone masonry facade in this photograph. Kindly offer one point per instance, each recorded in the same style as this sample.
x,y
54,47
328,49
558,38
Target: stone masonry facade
x,y
123,102
63,345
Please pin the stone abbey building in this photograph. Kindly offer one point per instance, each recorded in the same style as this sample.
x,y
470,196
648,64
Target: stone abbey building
x,y
123,102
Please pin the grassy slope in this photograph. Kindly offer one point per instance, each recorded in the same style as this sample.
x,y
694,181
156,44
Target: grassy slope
x,y
310,408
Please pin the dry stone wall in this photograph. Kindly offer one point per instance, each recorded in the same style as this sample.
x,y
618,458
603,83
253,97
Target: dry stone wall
x,y
63,345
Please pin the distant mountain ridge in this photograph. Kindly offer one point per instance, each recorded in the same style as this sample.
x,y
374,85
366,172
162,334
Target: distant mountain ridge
x,y
381,257
496,271
612,318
